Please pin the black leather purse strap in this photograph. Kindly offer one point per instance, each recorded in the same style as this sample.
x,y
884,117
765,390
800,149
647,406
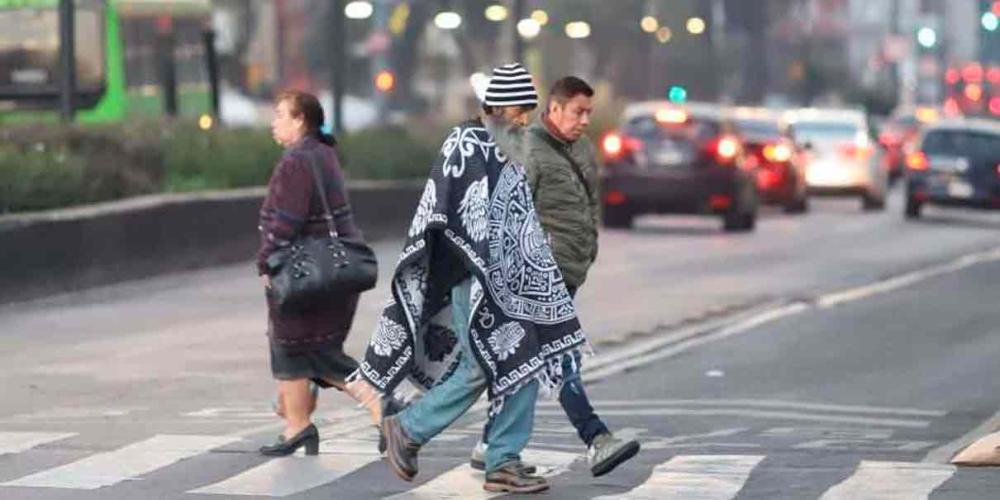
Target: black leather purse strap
x,y
561,149
321,192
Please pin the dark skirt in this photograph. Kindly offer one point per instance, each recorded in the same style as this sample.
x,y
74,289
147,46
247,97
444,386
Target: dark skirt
x,y
319,365
311,344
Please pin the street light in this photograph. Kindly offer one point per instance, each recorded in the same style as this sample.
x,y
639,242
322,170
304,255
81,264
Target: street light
x,y
448,20
540,16
496,13
528,28
649,24
358,10
578,29
696,25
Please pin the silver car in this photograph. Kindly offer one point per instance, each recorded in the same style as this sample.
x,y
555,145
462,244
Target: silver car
x,y
841,158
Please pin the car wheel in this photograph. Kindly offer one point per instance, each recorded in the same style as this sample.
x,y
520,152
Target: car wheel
x,y
873,202
913,208
798,205
617,217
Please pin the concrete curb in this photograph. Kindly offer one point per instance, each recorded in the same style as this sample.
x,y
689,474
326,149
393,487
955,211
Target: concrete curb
x,y
56,251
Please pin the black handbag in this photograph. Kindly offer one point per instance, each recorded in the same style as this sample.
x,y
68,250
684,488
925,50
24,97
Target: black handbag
x,y
311,270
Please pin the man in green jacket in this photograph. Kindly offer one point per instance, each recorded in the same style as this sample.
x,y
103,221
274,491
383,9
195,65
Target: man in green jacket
x,y
561,167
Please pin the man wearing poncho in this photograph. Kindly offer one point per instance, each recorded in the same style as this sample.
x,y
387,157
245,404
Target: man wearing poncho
x,y
478,302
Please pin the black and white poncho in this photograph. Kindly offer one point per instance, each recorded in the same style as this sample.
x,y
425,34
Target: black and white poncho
x,y
475,218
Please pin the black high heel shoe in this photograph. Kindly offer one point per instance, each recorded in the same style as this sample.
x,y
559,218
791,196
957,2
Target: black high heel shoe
x,y
308,437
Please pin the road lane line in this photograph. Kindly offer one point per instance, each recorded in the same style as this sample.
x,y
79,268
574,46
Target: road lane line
x,y
762,403
705,477
286,476
747,413
626,362
16,442
464,482
944,453
108,468
891,481
836,298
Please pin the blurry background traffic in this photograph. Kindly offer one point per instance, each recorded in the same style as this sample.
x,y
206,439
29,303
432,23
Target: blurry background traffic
x,y
156,95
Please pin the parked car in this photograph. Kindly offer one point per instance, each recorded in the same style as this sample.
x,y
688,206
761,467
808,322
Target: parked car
x,y
841,158
780,164
667,158
957,164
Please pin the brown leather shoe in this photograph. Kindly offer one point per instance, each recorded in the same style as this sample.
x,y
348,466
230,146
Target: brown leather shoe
x,y
400,449
512,477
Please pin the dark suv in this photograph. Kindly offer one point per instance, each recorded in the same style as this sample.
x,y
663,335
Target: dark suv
x,y
958,164
677,159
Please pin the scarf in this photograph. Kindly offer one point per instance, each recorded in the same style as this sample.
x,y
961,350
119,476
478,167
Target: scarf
x,y
475,219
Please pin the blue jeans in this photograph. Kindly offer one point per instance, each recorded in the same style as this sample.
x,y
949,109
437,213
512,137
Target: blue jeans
x,y
575,404
574,401
451,398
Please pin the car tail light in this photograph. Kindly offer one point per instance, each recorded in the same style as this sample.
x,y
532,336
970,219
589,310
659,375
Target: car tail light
x,y
616,145
720,202
889,139
778,153
726,148
615,198
917,161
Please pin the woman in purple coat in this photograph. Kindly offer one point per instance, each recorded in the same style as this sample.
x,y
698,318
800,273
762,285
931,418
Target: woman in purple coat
x,y
307,346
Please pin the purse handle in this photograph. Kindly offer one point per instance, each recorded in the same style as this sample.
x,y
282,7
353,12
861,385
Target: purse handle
x,y
318,182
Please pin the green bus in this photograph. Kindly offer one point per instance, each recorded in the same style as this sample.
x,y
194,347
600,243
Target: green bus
x,y
116,59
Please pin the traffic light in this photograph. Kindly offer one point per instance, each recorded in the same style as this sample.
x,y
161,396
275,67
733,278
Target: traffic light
x,y
677,94
927,37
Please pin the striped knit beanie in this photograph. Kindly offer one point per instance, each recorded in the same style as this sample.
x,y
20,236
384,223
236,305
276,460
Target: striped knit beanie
x,y
511,86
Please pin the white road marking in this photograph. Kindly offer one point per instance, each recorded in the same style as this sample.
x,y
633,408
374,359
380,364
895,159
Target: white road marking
x,y
747,413
943,454
16,442
707,477
761,403
626,359
290,475
891,481
105,469
464,482
897,282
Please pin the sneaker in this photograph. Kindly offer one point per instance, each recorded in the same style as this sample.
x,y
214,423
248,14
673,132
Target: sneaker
x,y
608,452
478,459
400,449
512,477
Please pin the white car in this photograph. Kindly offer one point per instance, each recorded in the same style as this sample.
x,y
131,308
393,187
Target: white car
x,y
841,157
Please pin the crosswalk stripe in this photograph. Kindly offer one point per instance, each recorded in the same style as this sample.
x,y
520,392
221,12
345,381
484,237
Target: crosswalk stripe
x,y
464,482
16,442
108,468
705,477
285,476
891,480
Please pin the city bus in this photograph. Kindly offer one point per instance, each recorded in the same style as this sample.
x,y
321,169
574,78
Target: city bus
x,y
117,63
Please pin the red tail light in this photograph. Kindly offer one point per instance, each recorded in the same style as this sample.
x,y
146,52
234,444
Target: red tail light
x,y
616,145
889,139
778,153
917,161
725,149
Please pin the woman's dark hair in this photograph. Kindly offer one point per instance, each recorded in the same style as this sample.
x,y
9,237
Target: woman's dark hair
x,y
307,106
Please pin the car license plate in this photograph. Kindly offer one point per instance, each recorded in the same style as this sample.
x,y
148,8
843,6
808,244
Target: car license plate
x,y
959,189
669,158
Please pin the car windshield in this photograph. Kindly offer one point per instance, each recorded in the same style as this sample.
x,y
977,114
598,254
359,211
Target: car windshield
x,y
824,132
758,128
648,128
962,143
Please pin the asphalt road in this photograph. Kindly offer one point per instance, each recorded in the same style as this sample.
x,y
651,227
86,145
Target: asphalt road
x,y
770,367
